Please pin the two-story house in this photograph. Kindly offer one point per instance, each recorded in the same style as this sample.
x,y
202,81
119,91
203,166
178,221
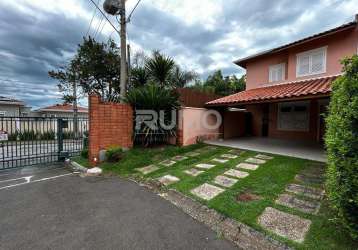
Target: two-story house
x,y
10,107
288,87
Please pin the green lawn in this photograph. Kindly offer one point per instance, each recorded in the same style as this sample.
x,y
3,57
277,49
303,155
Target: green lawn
x,y
268,181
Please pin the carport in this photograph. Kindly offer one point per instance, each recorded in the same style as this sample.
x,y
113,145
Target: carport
x,y
300,149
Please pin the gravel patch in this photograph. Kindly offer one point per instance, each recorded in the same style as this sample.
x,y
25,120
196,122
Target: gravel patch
x,y
247,166
168,180
225,181
148,169
207,191
255,161
311,207
220,160
314,193
193,172
204,166
286,225
236,173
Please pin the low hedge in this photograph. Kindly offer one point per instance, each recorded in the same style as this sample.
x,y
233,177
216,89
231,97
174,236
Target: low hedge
x,y
342,146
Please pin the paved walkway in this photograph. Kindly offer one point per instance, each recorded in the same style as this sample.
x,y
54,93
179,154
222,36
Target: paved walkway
x,y
304,150
59,211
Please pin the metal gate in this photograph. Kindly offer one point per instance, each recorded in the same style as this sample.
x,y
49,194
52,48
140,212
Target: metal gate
x,y
26,141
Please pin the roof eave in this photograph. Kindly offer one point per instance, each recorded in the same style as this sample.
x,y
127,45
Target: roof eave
x,y
271,100
243,61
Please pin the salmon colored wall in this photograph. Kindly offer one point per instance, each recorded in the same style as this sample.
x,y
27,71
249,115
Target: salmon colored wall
x,y
191,128
339,45
236,128
310,135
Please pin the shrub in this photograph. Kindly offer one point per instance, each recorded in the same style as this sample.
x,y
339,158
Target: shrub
x,y
13,136
114,154
341,140
48,135
85,139
155,98
27,135
68,135
84,153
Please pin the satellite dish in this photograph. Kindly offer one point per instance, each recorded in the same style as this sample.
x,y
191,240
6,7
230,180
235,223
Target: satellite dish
x,y
112,7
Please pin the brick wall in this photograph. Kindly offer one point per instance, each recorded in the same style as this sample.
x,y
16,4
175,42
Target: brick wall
x,y
109,124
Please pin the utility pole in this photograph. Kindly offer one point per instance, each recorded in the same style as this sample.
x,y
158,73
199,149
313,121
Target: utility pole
x,y
123,81
75,109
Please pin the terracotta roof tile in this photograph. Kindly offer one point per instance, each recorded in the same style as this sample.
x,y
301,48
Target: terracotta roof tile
x,y
301,88
63,107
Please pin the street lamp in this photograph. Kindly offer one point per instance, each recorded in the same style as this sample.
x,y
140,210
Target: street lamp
x,y
113,7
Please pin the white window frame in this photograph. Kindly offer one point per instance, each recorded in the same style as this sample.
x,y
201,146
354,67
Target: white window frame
x,y
292,105
275,67
2,113
310,53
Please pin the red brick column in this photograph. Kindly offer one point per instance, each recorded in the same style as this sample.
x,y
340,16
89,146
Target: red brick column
x,y
110,124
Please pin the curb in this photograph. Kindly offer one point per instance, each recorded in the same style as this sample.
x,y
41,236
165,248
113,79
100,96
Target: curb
x,y
76,166
242,235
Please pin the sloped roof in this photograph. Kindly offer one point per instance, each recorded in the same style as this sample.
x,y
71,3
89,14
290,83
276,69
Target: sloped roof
x,y
242,62
303,88
62,108
10,101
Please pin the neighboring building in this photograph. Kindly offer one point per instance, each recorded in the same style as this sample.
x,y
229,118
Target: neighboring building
x,y
10,107
61,110
288,88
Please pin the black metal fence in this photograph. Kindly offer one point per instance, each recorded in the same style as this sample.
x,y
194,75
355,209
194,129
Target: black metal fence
x,y
37,140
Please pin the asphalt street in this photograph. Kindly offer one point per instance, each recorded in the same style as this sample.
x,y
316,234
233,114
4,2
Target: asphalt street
x,y
53,208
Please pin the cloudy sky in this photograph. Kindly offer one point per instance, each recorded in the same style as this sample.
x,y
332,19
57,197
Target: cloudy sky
x,y
202,35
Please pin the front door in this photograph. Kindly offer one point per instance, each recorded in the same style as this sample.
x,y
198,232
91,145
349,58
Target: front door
x,y
265,120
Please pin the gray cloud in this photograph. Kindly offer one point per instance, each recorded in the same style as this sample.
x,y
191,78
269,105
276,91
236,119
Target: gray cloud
x,y
31,45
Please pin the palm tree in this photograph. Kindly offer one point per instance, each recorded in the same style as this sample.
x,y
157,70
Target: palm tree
x,y
160,68
181,78
139,77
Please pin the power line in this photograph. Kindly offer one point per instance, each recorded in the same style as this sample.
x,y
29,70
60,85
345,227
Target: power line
x,y
99,25
104,24
135,7
103,14
90,25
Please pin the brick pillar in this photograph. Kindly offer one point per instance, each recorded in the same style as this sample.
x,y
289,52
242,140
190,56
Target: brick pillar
x,y
110,124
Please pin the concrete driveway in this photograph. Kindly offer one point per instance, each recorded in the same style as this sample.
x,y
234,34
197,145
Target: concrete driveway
x,y
55,209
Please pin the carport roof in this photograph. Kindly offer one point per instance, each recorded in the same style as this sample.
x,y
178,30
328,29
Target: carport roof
x,y
303,89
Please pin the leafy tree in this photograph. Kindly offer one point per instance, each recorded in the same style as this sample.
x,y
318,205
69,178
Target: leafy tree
x,y
66,76
342,146
220,85
181,78
139,77
95,67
